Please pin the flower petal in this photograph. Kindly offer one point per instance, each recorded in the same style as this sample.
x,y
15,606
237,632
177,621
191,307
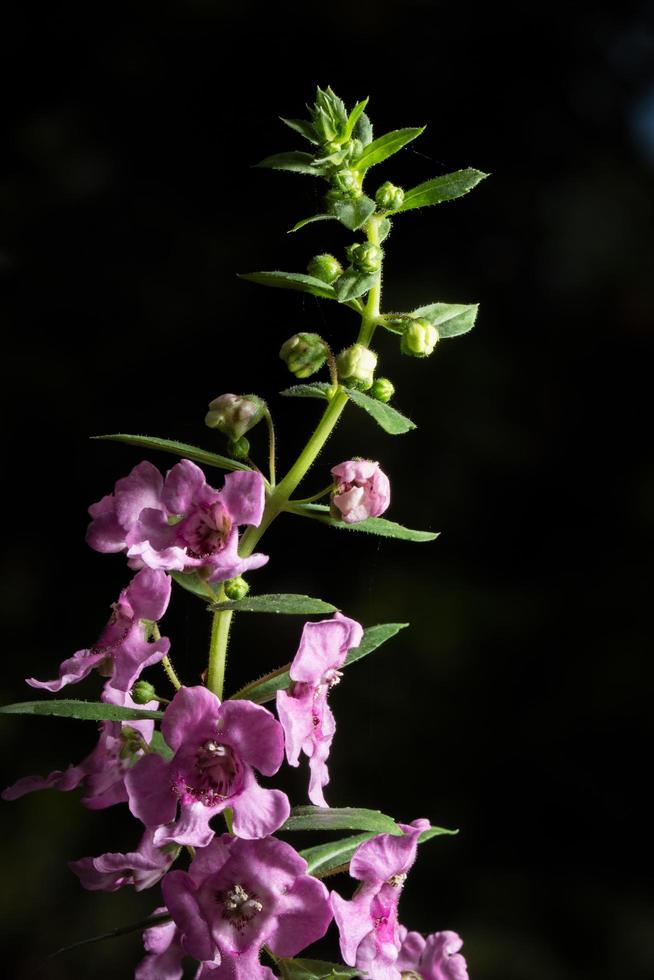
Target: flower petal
x,y
303,917
181,486
151,798
258,812
244,496
255,733
191,714
179,895
71,671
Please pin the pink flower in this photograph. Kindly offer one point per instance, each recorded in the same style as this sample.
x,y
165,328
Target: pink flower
x,y
435,958
164,957
180,523
362,490
241,894
369,931
124,648
306,718
141,868
217,748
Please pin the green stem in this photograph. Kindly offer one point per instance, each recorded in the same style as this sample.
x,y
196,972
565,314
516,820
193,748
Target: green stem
x,y
271,449
316,496
218,647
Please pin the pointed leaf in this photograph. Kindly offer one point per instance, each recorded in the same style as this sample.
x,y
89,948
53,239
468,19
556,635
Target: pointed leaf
x,y
192,582
293,160
385,146
339,818
301,969
373,525
303,127
352,284
334,856
353,214
452,319
387,417
315,389
294,605
310,221
445,188
84,710
384,229
291,280
201,456
152,920
265,689
353,118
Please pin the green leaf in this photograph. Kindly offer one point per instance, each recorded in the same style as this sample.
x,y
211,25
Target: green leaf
x,y
452,319
353,118
158,744
354,213
303,127
385,146
363,129
373,525
265,689
294,605
193,583
293,160
291,280
339,818
202,456
445,188
84,710
310,221
388,418
384,229
301,969
315,389
152,920
352,284
325,859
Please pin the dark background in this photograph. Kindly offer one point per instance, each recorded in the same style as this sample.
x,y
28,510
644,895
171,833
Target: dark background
x,y
516,708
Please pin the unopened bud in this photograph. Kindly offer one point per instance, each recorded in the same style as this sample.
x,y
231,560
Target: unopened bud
x,y
304,354
143,692
419,338
236,588
239,449
366,257
389,196
348,182
382,389
356,366
234,415
325,267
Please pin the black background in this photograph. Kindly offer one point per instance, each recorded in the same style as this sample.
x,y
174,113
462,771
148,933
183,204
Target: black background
x,y
516,707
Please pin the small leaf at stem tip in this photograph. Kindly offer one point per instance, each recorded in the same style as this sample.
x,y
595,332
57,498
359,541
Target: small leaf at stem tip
x,y
445,188
309,221
353,284
354,214
339,818
384,415
291,280
303,127
300,605
372,525
294,160
385,146
334,856
83,710
192,582
202,456
315,389
301,969
451,319
353,118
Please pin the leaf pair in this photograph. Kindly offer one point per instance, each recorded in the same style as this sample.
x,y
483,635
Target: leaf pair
x,y
451,319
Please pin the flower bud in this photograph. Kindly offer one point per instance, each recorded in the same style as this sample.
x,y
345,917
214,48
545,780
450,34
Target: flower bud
x,y
143,692
419,338
362,490
234,415
366,257
236,588
382,389
389,196
304,354
356,366
325,267
348,182
239,449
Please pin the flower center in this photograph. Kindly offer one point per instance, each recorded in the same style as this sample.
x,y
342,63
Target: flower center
x,y
397,880
239,907
214,777
207,530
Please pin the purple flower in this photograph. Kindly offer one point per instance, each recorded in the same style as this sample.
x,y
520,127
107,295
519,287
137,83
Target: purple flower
x,y
362,490
435,958
369,931
164,952
124,648
217,747
239,895
307,720
141,868
181,522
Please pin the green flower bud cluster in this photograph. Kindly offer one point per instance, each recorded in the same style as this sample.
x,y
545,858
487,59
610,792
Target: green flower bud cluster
x,y
382,389
234,415
239,449
325,267
389,197
304,354
236,588
329,117
143,692
348,182
419,338
365,257
356,367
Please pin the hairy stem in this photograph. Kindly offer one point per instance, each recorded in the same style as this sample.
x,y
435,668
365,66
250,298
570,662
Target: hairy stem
x,y
220,624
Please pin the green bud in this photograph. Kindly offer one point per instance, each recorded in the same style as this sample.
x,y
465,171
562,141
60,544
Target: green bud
x,y
354,149
239,449
356,366
304,354
419,338
382,389
236,588
348,182
234,415
367,257
325,267
389,196
143,691
132,742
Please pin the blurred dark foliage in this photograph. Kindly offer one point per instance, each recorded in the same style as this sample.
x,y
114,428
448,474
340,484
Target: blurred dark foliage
x,y
516,708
